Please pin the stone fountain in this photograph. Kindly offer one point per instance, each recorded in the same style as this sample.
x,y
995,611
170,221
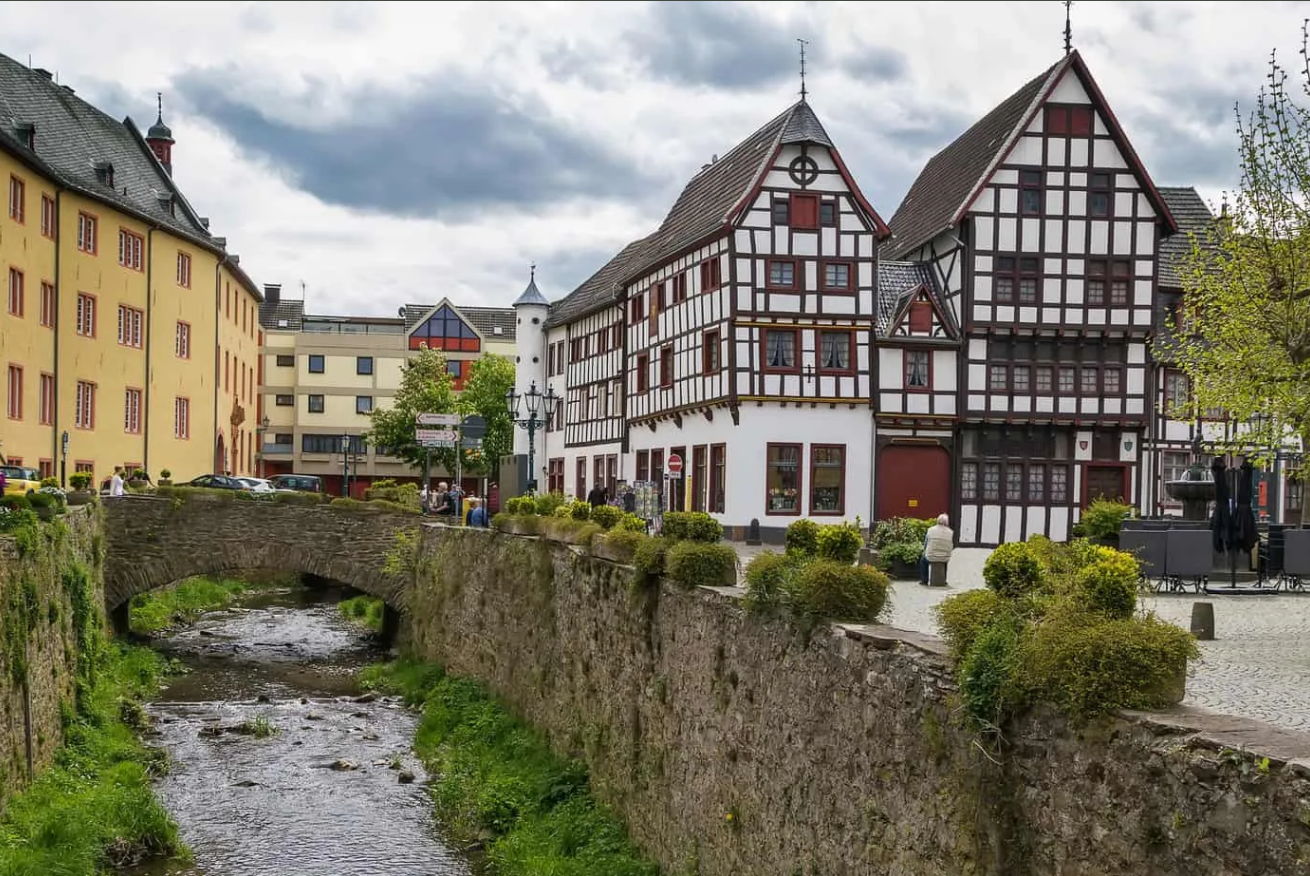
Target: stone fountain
x,y
1196,491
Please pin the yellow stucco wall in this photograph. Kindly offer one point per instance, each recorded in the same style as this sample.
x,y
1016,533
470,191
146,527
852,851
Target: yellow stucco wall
x,y
98,358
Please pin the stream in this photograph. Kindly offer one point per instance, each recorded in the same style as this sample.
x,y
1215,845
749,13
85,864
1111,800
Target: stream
x,y
323,794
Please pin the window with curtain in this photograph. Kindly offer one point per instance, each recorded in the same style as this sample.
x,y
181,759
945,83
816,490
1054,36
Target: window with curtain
x,y
916,369
783,478
827,478
780,348
834,351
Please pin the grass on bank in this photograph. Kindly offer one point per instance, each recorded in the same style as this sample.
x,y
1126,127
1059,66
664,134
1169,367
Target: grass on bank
x,y
183,604
496,781
363,610
94,809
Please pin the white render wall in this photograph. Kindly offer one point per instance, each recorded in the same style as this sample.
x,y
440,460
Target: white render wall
x,y
531,360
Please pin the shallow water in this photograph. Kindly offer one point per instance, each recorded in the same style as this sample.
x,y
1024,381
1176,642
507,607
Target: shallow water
x,y
276,806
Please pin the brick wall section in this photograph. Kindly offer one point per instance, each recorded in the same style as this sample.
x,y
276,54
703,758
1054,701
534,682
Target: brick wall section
x,y
31,711
153,542
837,754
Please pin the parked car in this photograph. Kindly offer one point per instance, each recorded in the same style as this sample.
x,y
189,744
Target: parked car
x,y
256,485
20,480
296,483
216,482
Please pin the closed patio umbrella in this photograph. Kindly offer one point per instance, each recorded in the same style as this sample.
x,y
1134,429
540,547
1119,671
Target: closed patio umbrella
x,y
1245,535
1221,523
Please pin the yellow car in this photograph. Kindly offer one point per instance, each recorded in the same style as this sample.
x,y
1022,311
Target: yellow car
x,y
20,480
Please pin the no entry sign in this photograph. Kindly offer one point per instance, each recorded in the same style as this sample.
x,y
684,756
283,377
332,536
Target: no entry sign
x,y
674,464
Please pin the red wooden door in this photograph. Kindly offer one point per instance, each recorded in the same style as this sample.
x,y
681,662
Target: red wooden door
x,y
1108,481
913,482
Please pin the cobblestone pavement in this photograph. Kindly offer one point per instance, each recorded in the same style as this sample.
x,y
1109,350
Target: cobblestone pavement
x,y
1258,666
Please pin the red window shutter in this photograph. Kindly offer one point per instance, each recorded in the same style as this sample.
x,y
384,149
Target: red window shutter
x,y
1080,120
804,211
921,317
1057,120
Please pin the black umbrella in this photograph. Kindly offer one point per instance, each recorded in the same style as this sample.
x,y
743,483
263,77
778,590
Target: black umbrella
x,y
1244,531
1222,522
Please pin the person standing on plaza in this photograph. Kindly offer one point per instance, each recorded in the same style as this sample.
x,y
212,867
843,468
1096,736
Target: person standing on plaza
x,y
937,548
116,482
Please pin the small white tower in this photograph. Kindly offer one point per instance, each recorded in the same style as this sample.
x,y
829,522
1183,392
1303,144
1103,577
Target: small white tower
x,y
530,312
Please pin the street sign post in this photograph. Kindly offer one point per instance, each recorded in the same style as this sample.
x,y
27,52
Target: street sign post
x,y
433,438
436,420
673,465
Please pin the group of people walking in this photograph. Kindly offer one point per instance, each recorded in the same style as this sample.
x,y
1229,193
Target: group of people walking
x,y
451,503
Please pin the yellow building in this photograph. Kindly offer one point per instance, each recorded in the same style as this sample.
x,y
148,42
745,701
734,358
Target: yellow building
x,y
129,334
324,375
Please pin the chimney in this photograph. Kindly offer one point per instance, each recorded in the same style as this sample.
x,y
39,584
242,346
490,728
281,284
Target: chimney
x,y
272,292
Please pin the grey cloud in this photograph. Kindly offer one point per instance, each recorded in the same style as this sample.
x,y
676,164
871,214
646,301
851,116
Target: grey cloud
x,y
876,64
446,150
715,44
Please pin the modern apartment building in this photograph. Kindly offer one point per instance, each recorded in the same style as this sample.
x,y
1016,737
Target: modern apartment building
x,y
324,375
129,334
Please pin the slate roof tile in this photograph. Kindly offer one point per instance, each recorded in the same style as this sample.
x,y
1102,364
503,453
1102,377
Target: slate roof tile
x,y
897,281
1194,219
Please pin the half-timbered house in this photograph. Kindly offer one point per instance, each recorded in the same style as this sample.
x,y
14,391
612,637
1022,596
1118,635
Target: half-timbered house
x,y
1043,226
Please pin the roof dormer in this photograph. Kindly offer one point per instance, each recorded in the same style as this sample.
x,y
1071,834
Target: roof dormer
x,y
105,173
26,133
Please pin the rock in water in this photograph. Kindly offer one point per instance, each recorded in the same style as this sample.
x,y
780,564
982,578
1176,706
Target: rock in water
x,y
343,766
405,777
366,698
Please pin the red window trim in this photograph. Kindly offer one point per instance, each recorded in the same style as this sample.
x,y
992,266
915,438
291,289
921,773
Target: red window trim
x,y
48,231
796,351
643,465
680,287
708,338
666,366
905,370
711,274
94,248
841,505
95,316
14,411
823,275
715,507
768,272
800,480
818,352
809,200
140,414
643,372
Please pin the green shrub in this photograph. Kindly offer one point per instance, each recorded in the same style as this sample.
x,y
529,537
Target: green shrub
x,y
1012,570
632,523
564,511
546,503
580,511
165,473
42,500
990,676
803,538
962,618
502,520
299,498
521,505
1102,520
50,482
905,553
383,483
897,530
767,576
622,543
840,542
691,526
20,521
832,590
374,505
17,502
606,516
649,557
1090,666
1110,583
697,564
80,480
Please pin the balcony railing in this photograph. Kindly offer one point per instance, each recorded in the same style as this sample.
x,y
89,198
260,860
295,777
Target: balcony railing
x,y
278,449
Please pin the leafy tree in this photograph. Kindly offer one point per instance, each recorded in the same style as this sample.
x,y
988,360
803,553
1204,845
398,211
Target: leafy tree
x,y
425,387
1245,339
489,378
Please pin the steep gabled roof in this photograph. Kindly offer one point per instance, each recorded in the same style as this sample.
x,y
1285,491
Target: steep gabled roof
x,y
1194,220
532,295
601,289
952,178
72,137
715,195
899,283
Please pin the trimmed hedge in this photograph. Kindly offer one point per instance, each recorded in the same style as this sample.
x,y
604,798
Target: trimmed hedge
x,y
815,589
697,564
691,526
1012,570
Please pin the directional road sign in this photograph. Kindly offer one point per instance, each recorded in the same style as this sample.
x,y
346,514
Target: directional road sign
x,y
436,420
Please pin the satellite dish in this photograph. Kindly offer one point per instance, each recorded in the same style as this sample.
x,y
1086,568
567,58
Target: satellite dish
x,y
400,311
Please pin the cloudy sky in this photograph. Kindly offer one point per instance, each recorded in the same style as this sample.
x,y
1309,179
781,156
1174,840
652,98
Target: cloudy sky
x,y
384,153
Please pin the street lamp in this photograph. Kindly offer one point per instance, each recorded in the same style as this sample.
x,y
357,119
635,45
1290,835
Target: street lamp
x,y
345,465
261,435
536,417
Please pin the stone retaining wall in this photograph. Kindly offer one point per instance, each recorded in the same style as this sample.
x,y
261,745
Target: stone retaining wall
x,y
31,698
733,744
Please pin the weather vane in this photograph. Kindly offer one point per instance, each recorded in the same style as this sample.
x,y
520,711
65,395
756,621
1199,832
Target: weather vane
x,y
1068,28
803,43
532,268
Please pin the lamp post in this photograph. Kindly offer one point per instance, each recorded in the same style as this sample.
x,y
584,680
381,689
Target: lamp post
x,y
261,436
536,416
63,461
345,465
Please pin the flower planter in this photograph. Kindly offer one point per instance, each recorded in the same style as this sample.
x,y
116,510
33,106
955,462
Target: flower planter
x,y
79,497
901,571
605,550
138,483
165,482
46,512
519,527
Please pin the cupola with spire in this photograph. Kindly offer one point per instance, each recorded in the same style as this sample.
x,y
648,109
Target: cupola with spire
x,y
160,138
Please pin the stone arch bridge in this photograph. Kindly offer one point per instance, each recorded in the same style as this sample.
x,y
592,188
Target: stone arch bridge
x,y
152,542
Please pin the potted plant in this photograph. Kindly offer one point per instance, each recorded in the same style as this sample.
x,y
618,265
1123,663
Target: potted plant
x,y
165,478
80,481
138,480
45,505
